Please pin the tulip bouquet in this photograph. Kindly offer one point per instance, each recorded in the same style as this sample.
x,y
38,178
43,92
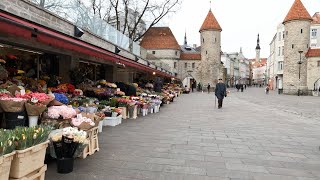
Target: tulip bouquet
x,y
7,138
27,137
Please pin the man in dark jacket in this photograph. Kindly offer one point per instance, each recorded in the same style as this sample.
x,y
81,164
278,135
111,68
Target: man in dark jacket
x,y
220,92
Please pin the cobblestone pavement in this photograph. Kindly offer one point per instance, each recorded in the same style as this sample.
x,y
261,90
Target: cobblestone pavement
x,y
254,136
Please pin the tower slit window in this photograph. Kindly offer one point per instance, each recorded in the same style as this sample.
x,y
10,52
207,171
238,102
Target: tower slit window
x,y
185,65
301,31
292,46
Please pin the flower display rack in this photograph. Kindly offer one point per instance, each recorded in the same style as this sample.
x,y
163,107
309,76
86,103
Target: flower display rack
x,y
93,142
27,161
124,112
38,174
5,164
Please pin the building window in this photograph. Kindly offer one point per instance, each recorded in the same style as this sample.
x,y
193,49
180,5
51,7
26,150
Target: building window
x,y
282,50
175,65
215,40
318,63
279,51
279,36
176,53
280,66
193,65
203,40
283,35
153,52
206,52
185,65
301,31
292,46
287,33
313,33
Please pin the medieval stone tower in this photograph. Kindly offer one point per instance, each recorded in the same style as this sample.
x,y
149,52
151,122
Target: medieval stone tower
x,y
297,39
210,69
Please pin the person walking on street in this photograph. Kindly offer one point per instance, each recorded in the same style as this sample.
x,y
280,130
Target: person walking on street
x,y
220,92
267,90
208,88
241,87
245,86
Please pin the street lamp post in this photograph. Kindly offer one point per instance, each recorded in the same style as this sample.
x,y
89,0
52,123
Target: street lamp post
x,y
300,62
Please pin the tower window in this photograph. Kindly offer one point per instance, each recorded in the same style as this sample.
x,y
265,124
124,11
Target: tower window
x,y
314,33
283,35
176,53
175,65
318,63
292,46
203,40
185,65
301,31
215,39
282,50
193,65
153,52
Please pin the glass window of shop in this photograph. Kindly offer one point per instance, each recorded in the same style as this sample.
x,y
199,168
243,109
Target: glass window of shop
x,y
92,71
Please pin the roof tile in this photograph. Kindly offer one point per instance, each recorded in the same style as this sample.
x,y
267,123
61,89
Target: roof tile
x,y
316,18
210,23
159,38
297,12
313,53
190,56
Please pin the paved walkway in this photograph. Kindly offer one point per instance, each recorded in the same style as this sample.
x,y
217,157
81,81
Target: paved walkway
x,y
254,136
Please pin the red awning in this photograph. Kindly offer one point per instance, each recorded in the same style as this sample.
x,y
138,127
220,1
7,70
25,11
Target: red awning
x,y
12,25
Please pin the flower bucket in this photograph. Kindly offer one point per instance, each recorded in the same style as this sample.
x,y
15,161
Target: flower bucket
x,y
114,114
110,121
5,164
28,160
33,121
65,165
144,112
100,126
124,112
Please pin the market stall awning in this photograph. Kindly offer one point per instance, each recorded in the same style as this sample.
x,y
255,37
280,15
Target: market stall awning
x,y
17,26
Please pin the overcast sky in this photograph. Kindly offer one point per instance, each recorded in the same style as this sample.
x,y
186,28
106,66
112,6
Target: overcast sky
x,y
241,21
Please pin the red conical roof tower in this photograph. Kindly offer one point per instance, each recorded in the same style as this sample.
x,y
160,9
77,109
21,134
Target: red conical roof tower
x,y
210,23
297,12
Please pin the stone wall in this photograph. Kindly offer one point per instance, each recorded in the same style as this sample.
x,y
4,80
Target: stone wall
x,y
165,53
295,41
210,67
183,71
313,72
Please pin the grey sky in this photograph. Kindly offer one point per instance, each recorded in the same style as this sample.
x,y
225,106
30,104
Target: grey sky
x,y
241,21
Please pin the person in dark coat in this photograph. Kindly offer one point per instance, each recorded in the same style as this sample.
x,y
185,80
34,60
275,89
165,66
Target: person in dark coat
x,y
220,92
208,87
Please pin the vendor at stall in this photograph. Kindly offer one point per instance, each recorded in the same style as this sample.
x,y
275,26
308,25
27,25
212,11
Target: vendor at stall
x,y
30,71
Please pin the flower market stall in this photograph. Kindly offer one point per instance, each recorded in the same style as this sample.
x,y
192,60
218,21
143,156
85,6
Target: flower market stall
x,y
73,115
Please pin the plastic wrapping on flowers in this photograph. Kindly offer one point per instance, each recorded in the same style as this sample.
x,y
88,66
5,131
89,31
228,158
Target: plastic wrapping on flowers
x,y
61,98
67,142
61,112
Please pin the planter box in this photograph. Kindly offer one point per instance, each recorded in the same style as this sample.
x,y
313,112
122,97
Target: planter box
x,y
28,160
38,174
5,164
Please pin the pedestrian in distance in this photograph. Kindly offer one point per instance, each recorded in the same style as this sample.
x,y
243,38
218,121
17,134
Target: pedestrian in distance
x,y
208,87
192,86
267,90
220,92
241,87
238,87
245,86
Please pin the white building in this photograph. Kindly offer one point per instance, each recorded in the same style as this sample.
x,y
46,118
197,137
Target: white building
x,y
315,31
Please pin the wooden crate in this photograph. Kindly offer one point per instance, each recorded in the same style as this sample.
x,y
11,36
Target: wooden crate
x,y
93,145
5,164
38,174
27,161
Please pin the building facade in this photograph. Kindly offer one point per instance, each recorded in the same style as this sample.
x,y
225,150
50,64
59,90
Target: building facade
x,y
191,64
294,52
